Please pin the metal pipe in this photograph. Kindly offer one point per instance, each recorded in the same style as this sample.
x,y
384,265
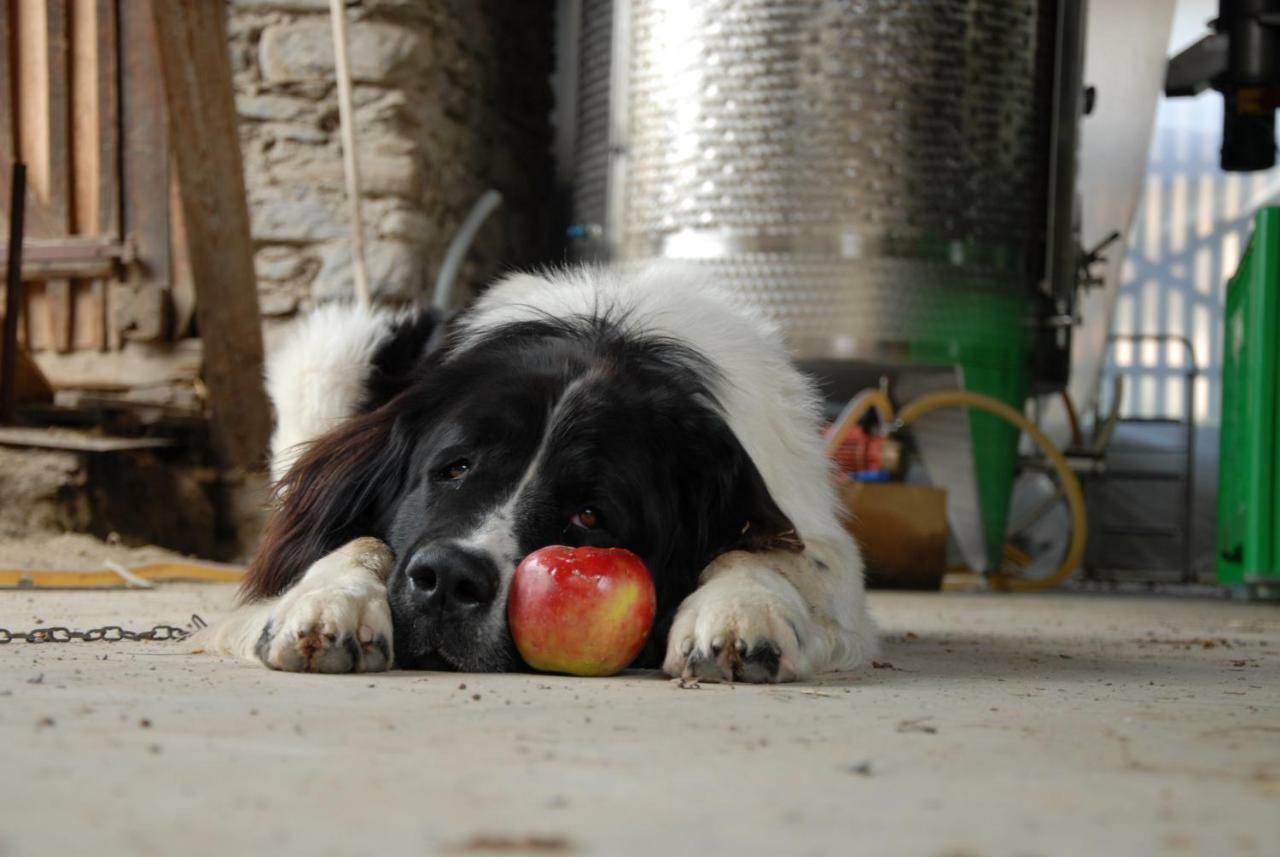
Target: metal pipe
x,y
13,293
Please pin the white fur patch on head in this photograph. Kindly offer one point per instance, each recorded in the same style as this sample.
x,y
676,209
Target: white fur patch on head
x,y
317,378
495,536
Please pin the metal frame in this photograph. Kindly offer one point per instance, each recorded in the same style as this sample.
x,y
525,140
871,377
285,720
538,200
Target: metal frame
x,y
1062,230
1189,481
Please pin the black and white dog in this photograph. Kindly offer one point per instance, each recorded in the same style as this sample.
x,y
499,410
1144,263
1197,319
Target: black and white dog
x,y
643,410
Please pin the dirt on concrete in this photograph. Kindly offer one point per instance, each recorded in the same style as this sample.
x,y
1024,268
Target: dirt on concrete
x,y
134,498
75,551
1009,725
42,491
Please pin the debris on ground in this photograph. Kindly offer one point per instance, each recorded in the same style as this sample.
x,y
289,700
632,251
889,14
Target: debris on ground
x,y
488,843
917,724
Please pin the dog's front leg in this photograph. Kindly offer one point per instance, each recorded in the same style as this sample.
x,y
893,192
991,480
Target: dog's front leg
x,y
768,617
334,619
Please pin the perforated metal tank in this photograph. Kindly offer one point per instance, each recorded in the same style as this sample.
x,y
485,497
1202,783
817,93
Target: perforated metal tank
x,y
871,172
874,174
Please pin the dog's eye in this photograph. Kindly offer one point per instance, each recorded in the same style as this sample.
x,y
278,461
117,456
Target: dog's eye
x,y
454,470
588,519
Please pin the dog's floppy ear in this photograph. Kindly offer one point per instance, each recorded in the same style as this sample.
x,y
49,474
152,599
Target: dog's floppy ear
x,y
332,494
764,526
742,513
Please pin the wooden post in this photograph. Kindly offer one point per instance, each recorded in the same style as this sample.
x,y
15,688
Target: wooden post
x,y
140,308
12,294
202,133
43,141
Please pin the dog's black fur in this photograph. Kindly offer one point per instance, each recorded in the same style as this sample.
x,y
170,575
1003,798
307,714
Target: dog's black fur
x,y
639,439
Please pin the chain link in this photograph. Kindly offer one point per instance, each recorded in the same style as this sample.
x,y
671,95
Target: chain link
x,y
103,634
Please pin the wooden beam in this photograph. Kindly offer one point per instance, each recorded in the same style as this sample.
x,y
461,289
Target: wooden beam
x,y
8,143
77,257
44,138
78,441
13,77
91,163
206,145
108,88
140,309
108,214
135,365
85,165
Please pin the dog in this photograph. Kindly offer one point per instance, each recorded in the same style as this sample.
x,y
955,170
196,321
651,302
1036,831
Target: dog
x,y
418,462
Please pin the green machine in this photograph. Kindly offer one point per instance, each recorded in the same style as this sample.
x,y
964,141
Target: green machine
x,y
1249,476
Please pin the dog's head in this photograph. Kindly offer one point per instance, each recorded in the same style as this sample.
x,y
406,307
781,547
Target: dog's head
x,y
533,434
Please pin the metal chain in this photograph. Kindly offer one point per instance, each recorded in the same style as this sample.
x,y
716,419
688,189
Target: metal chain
x,y
104,634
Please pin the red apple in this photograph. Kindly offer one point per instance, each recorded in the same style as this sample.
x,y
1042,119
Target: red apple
x,y
582,611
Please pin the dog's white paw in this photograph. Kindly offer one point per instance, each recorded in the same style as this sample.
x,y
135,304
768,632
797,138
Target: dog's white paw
x,y
744,623
336,618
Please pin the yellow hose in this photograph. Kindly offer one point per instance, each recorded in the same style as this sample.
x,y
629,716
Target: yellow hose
x,y
1070,485
1073,419
180,570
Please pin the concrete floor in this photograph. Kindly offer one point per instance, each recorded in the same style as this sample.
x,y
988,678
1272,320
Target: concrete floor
x,y
1016,725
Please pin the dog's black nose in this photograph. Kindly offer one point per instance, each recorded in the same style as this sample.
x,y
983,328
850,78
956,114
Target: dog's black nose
x,y
450,579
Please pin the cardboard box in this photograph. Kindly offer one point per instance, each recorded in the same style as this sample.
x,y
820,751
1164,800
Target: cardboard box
x,y
902,530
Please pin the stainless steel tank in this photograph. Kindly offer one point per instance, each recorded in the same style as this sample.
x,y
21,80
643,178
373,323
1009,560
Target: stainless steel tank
x,y
890,180
872,173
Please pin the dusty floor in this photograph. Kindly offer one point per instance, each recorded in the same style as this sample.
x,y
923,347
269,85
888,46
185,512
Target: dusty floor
x,y
1016,725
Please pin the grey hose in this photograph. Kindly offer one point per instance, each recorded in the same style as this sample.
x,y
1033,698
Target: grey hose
x,y
442,296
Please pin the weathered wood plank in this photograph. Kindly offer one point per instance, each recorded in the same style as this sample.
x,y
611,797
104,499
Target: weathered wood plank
x,y
85,154
7,142
93,153
14,57
79,441
12,78
28,37
137,364
85,164
140,309
110,193
41,66
108,139
31,67
60,185
182,289
206,146
108,87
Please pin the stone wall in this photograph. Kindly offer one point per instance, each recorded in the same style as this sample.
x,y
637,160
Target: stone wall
x,y
451,97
